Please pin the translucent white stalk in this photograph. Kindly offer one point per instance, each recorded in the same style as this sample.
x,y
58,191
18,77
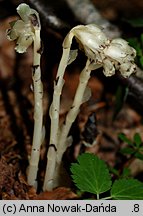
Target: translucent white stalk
x,y
74,110
54,115
82,33
27,31
100,53
71,116
38,112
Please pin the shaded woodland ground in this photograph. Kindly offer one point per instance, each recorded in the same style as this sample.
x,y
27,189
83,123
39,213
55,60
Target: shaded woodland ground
x,y
106,113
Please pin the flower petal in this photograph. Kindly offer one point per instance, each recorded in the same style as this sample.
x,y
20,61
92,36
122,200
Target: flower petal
x,y
24,11
120,51
90,36
127,69
23,42
109,69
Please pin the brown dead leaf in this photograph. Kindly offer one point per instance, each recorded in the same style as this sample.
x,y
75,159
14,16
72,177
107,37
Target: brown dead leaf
x,y
60,193
6,177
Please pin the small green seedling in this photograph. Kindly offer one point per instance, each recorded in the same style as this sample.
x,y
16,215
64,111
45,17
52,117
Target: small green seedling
x,y
112,55
91,174
135,146
27,31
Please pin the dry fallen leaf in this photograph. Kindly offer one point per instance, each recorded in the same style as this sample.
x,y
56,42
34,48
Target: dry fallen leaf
x,y
60,193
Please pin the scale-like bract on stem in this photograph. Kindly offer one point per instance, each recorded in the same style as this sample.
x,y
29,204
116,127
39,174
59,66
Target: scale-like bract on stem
x,y
27,31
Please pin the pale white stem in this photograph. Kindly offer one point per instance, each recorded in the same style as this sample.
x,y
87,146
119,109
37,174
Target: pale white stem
x,y
71,116
74,110
54,115
55,106
38,112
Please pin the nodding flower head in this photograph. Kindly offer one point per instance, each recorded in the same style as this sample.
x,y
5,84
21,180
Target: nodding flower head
x,y
23,30
90,38
113,54
121,57
120,51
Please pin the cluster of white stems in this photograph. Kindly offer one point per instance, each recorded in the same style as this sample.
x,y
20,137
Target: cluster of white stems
x,y
111,55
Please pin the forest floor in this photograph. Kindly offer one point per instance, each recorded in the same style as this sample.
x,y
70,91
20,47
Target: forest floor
x,y
16,124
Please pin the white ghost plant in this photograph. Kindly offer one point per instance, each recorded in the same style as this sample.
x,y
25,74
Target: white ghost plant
x,y
112,55
80,33
26,31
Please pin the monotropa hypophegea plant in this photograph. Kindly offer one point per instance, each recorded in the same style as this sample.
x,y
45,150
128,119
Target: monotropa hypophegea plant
x,y
27,31
111,55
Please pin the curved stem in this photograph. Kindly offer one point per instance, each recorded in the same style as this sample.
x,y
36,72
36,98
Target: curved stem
x,y
54,115
38,112
74,110
71,116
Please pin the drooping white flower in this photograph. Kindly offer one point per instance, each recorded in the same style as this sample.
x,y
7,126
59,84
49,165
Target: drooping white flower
x,y
120,50
23,30
22,33
121,55
108,67
90,38
127,69
112,55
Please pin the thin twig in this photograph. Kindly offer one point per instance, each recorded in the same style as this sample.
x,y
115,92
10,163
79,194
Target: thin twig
x,y
86,13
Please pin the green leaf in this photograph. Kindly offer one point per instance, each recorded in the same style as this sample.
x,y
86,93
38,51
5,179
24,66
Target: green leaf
x,y
127,189
127,150
123,138
91,174
139,155
137,140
